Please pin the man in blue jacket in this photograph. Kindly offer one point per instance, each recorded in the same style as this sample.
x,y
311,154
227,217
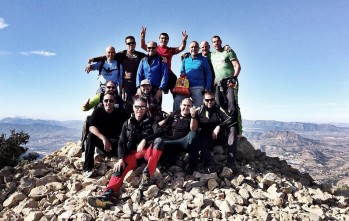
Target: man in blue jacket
x,y
154,69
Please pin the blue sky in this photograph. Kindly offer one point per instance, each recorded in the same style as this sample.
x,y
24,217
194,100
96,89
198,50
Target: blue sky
x,y
294,54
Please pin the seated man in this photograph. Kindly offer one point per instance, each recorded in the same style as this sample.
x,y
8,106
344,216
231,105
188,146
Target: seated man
x,y
97,100
182,125
212,122
105,127
139,139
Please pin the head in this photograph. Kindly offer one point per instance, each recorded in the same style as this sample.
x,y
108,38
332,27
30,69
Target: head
x,y
209,100
205,48
145,86
108,102
139,107
163,39
217,42
194,48
185,106
110,88
130,42
110,52
151,48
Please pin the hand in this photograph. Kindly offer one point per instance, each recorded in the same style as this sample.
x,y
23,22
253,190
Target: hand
x,y
215,132
85,105
184,35
158,95
227,48
193,111
90,60
107,144
88,68
143,31
118,165
141,145
182,75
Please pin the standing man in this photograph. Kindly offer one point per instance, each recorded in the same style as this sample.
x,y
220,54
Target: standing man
x,y
130,59
139,139
109,70
197,69
167,52
227,68
154,69
205,51
105,126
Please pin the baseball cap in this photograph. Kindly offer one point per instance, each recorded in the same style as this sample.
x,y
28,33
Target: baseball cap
x,y
145,82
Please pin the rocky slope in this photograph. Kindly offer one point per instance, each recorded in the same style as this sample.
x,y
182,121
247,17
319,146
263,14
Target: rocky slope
x,y
266,188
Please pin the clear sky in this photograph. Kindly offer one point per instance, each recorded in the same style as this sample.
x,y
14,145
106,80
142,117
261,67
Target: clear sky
x,y
294,54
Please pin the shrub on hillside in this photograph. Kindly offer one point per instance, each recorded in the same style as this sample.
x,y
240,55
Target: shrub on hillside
x,y
11,149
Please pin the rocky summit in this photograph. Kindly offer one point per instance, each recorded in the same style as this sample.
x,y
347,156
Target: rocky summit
x,y
265,188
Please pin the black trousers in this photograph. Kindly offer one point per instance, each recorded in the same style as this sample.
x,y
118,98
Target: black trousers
x,y
92,142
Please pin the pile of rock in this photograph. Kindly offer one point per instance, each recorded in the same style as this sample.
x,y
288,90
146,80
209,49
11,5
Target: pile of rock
x,y
265,189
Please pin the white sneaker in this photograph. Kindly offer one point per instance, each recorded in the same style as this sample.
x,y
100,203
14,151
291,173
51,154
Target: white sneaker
x,y
88,174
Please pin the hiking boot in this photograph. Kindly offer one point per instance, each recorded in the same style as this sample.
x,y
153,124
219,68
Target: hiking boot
x,y
145,183
88,173
99,202
233,167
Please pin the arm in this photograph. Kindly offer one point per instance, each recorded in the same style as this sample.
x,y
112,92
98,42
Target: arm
x,y
208,73
183,67
164,75
107,145
92,102
97,59
194,124
184,43
140,74
235,62
122,141
120,80
143,45
158,132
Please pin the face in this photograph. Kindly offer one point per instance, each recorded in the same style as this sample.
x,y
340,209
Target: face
x,y
130,44
205,48
108,102
110,88
139,109
185,107
110,52
194,49
146,88
163,40
151,48
209,101
217,43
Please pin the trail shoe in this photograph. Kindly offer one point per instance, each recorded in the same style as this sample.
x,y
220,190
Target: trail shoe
x,y
88,173
145,183
99,202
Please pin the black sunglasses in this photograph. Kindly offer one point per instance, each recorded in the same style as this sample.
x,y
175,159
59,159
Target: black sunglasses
x,y
131,43
110,87
208,100
108,100
140,107
151,47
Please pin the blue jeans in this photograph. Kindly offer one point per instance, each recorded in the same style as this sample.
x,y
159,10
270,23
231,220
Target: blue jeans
x,y
195,94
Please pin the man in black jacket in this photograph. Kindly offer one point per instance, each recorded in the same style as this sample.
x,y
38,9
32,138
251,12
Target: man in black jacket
x,y
139,139
213,121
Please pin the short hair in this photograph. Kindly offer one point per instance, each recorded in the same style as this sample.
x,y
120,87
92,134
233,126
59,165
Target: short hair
x,y
130,37
111,94
209,93
153,43
141,99
195,43
187,98
164,34
216,36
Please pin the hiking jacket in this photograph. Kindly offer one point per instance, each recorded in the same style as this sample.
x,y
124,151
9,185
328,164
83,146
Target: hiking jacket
x,y
156,72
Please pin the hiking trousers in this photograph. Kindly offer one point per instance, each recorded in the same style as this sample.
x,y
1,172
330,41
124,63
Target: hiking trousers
x,y
151,154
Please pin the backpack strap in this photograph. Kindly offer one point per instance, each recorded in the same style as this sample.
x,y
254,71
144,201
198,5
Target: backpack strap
x,y
101,67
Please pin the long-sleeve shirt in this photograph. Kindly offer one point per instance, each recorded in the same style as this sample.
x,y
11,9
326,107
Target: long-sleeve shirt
x,y
153,70
209,119
197,71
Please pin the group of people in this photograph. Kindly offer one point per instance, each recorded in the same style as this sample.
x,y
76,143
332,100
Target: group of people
x,y
128,122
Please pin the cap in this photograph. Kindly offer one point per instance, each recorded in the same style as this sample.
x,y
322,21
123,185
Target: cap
x,y
145,82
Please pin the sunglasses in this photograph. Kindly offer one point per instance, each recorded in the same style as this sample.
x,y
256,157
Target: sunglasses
x,y
131,43
151,47
208,100
110,87
108,100
140,107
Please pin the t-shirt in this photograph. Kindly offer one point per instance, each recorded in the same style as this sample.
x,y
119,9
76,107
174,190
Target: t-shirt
x,y
221,62
180,125
109,124
166,52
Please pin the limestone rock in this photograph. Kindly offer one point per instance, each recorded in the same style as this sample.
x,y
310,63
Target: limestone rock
x,y
14,199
